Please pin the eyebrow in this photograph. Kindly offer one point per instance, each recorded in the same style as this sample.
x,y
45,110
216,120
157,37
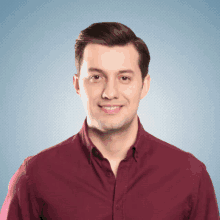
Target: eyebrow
x,y
92,69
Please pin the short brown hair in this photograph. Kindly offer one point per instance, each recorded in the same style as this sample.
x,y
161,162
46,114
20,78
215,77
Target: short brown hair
x,y
111,34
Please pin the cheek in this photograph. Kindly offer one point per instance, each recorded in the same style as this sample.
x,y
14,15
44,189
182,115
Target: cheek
x,y
132,92
87,89
128,91
95,93
92,93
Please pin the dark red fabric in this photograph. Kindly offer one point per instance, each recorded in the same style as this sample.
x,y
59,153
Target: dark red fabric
x,y
72,180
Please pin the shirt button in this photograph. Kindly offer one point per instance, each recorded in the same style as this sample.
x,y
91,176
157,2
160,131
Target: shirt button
x,y
96,153
109,173
117,207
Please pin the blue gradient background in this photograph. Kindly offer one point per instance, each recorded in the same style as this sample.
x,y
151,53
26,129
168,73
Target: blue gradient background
x,y
39,105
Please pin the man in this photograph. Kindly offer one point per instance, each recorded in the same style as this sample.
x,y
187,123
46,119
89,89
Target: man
x,y
113,168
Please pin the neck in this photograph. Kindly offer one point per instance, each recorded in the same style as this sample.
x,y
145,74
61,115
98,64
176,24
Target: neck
x,y
114,145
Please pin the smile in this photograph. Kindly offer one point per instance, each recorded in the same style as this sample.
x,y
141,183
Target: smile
x,y
111,109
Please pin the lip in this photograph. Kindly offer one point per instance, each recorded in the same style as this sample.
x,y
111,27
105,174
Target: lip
x,y
110,105
113,111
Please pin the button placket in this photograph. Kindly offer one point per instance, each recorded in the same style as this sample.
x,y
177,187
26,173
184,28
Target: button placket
x,y
117,207
109,173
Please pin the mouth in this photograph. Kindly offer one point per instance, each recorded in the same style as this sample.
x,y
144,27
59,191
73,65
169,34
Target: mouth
x,y
111,109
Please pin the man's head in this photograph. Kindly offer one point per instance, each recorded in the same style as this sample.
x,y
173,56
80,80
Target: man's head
x,y
112,69
111,34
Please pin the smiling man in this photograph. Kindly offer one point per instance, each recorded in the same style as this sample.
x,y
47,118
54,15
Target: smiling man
x,y
110,85
112,168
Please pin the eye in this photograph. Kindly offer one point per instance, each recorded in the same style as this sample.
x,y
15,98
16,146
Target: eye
x,y
95,77
125,78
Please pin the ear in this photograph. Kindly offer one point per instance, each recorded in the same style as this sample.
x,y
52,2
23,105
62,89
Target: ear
x,y
146,86
76,83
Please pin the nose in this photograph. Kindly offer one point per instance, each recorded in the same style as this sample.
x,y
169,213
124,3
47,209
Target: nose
x,y
110,90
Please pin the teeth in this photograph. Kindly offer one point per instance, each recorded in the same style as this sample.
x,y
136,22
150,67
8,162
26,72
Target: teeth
x,y
111,108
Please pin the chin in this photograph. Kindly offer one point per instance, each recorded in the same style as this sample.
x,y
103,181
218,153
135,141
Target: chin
x,y
108,125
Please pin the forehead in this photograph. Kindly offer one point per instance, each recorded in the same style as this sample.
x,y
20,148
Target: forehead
x,y
111,58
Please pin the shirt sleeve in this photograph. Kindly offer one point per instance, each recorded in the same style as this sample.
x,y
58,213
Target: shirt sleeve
x,y
205,206
19,202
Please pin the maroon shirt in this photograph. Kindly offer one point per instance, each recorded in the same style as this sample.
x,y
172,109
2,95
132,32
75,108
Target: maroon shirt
x,y
72,180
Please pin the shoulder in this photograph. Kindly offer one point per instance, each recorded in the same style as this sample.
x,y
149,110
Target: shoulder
x,y
171,156
52,156
43,162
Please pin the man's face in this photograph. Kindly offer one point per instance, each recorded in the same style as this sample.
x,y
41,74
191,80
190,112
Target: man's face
x,y
110,76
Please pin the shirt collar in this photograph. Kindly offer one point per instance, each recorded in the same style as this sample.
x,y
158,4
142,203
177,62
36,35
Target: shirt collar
x,y
86,141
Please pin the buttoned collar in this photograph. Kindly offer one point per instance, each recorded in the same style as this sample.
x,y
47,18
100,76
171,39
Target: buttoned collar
x,y
91,148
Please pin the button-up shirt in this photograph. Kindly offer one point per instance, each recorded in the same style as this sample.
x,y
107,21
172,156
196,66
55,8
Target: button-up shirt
x,y
72,180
